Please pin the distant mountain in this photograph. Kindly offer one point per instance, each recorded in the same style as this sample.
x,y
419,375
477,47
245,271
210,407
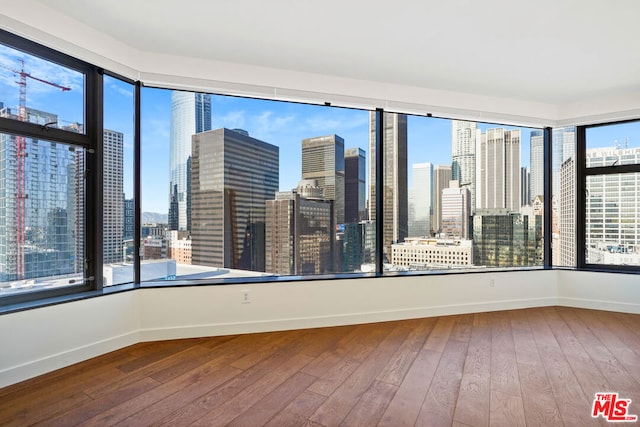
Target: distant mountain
x,y
154,217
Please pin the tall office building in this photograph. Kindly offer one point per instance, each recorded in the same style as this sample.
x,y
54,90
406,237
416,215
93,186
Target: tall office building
x,y
525,186
441,178
50,201
498,170
456,211
612,221
300,232
129,216
233,176
355,189
567,213
421,200
323,160
507,239
112,195
536,148
395,198
190,114
464,137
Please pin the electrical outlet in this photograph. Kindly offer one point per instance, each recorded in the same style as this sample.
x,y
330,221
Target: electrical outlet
x,y
246,296
492,282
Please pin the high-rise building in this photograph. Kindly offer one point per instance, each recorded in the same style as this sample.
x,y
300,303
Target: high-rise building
x,y
525,186
395,198
113,217
506,239
456,211
355,189
190,114
323,160
421,200
612,222
441,178
567,213
129,215
464,137
233,175
50,202
536,149
498,170
300,232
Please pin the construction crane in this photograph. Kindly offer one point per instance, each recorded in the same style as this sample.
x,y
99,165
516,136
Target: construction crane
x,y
21,154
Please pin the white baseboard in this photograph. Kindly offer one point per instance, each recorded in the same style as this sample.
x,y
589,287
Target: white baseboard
x,y
593,304
53,362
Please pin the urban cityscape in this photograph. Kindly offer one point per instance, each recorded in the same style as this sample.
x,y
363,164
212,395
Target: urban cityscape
x,y
239,204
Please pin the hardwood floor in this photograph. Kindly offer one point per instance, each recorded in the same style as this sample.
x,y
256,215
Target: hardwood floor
x,y
532,367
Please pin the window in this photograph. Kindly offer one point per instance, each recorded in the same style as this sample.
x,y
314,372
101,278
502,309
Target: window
x,y
611,201
468,189
238,187
46,154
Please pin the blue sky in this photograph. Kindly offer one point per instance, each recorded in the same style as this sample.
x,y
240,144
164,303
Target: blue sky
x,y
280,123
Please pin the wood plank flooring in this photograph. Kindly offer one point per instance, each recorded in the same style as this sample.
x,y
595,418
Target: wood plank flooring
x,y
532,367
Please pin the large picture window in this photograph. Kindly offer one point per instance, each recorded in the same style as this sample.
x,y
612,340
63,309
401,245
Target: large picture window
x,y
611,205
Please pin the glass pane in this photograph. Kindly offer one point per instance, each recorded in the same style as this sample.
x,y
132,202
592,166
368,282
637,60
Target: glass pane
x,y
462,195
118,182
34,90
253,188
564,197
613,145
41,214
612,226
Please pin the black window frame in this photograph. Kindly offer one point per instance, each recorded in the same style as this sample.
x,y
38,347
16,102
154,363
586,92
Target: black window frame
x,y
89,141
582,172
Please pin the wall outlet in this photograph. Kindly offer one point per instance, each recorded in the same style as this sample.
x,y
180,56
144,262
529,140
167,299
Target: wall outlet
x,y
492,282
246,296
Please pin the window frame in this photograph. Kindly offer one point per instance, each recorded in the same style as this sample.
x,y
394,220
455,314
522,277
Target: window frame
x,y
92,275
582,173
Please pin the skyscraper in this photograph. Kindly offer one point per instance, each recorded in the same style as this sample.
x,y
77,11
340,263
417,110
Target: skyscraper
x,y
525,186
567,214
498,170
395,197
612,229
355,189
536,148
233,176
456,210
421,200
300,232
323,160
112,195
464,137
50,200
441,178
507,239
190,114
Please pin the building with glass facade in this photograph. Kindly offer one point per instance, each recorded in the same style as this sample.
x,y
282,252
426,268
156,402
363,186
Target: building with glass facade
x,y
233,176
441,178
395,198
48,243
464,136
355,187
420,200
300,232
323,160
112,193
190,114
502,238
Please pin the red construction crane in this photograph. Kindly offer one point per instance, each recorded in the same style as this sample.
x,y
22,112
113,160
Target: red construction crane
x,y
21,153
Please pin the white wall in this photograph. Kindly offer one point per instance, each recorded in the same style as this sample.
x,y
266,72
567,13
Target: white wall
x,y
42,340
602,291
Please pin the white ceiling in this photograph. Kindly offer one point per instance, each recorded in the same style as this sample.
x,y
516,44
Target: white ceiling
x,y
548,51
